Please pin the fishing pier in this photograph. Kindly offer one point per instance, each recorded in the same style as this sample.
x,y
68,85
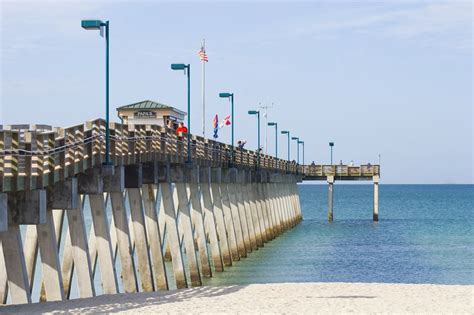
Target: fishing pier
x,y
149,206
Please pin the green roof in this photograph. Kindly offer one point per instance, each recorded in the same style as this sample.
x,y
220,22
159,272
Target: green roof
x,y
148,105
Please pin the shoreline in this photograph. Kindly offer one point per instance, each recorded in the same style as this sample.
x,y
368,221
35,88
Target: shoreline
x,y
310,297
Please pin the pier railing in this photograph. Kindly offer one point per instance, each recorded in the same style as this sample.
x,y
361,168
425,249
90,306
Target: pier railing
x,y
36,156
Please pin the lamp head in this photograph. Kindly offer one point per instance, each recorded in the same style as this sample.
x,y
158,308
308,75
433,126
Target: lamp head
x,y
178,66
331,144
284,132
225,94
253,112
295,138
92,24
272,123
300,142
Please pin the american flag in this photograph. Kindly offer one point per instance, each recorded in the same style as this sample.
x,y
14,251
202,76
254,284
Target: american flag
x,y
202,55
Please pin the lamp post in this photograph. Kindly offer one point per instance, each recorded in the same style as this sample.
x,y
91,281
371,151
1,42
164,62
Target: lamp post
x,y
276,140
257,112
231,97
187,70
97,25
302,142
331,144
286,132
297,149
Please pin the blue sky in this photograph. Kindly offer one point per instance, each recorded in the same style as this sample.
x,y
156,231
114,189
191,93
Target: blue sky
x,y
389,78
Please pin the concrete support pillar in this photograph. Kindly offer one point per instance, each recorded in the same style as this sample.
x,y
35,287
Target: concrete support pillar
x,y
171,227
376,198
210,220
185,218
254,214
103,244
12,247
129,278
260,212
220,192
198,222
154,237
80,252
51,268
243,217
238,226
141,240
3,213
330,180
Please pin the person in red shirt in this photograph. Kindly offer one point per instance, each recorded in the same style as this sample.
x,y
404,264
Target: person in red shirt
x,y
181,129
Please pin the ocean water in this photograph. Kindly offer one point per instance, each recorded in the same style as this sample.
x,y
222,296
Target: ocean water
x,y
424,235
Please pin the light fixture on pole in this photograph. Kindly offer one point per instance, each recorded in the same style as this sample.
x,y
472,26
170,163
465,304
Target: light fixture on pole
x,y
297,149
286,132
187,70
232,122
100,25
302,142
256,112
331,144
276,140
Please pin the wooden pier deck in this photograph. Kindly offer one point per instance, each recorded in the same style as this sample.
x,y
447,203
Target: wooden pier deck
x,y
207,214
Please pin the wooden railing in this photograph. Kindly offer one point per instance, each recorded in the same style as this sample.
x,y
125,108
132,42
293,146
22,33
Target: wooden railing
x,y
340,171
33,157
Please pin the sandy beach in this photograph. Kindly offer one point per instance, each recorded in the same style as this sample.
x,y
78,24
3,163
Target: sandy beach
x,y
293,298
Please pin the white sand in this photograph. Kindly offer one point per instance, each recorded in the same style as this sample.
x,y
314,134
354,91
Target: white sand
x,y
293,298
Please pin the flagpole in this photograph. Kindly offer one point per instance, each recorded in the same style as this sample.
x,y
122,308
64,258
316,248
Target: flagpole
x,y
203,86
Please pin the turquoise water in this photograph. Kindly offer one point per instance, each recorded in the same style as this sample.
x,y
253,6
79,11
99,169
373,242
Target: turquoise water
x,y
425,235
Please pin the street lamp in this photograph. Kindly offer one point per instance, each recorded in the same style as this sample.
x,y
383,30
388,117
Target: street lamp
x,y
231,97
286,132
187,70
276,140
302,142
97,25
256,112
331,144
297,149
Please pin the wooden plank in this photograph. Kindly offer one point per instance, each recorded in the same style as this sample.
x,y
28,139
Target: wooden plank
x,y
154,237
172,234
103,244
198,221
15,265
183,206
122,234
141,241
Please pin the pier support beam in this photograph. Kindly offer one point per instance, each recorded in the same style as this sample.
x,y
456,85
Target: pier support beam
x,y
3,213
15,265
376,198
330,180
224,224
210,224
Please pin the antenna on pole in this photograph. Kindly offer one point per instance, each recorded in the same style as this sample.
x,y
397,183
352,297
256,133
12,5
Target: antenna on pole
x,y
265,114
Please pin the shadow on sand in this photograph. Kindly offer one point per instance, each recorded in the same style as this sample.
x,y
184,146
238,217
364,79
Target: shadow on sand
x,y
119,302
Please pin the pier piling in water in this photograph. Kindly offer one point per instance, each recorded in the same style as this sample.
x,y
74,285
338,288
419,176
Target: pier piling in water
x,y
330,180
